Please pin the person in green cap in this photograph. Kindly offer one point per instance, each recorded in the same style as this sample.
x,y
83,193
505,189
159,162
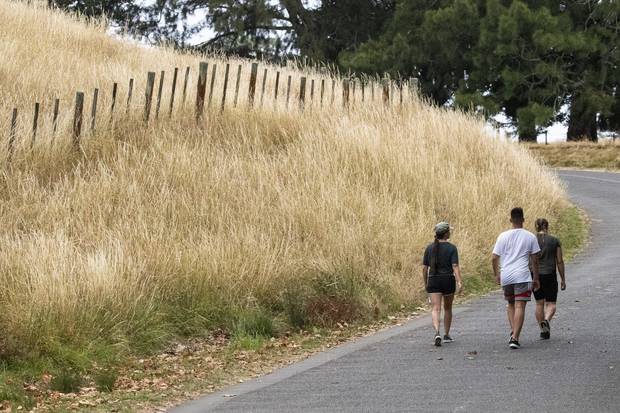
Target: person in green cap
x,y
442,278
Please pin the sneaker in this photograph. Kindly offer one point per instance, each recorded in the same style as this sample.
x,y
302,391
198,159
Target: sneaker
x,y
545,330
437,340
447,339
514,344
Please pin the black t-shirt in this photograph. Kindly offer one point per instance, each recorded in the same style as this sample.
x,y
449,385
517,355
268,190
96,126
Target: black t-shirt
x,y
548,253
447,256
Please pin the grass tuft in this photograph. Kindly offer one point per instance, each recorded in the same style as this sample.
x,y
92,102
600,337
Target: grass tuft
x,y
67,381
105,379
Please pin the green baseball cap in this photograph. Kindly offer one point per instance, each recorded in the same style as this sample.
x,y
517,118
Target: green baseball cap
x,y
442,228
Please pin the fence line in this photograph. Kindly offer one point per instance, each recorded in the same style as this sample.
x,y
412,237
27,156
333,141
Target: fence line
x,y
312,93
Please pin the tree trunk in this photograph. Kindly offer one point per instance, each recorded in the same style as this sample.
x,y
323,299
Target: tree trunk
x,y
581,121
304,27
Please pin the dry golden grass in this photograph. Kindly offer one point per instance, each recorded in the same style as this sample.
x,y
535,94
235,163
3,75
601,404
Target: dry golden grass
x,y
176,228
583,155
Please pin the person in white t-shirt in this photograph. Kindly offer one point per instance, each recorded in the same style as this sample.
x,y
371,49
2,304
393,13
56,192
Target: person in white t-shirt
x,y
515,264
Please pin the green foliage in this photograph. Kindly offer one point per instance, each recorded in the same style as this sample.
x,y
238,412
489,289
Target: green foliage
x,y
248,342
249,28
66,381
254,323
105,379
523,58
572,229
12,390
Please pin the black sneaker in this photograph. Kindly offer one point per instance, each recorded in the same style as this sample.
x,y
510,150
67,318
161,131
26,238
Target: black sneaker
x,y
514,344
437,340
447,339
545,330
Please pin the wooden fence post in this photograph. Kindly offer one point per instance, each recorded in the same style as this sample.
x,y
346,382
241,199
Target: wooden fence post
x,y
226,72
35,123
302,93
288,90
312,92
354,81
148,95
322,90
363,87
386,91
77,119
113,104
173,91
55,117
345,93
333,92
129,93
372,90
201,89
400,91
237,84
252,90
160,91
262,93
185,87
12,135
213,73
93,110
277,86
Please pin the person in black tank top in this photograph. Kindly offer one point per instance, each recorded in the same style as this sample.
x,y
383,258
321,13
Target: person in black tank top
x,y
442,278
550,259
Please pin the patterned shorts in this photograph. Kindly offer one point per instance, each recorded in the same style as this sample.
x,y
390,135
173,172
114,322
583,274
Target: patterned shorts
x,y
518,292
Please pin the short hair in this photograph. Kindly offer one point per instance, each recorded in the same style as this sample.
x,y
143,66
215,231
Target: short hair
x,y
517,214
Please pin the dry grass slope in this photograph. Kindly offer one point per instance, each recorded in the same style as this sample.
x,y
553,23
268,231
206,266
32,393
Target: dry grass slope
x,y
583,155
247,222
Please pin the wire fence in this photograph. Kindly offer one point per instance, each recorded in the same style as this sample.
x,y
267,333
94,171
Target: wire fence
x,y
209,89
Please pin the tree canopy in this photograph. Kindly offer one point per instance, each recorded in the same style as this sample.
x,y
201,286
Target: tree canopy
x,y
526,59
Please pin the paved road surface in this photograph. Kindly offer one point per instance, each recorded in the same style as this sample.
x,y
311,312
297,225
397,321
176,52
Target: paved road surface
x,y
578,370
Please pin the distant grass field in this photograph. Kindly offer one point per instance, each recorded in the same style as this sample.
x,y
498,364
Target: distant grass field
x,y
581,155
252,223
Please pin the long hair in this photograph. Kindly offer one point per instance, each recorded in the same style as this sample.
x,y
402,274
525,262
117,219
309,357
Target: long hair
x,y
542,226
435,251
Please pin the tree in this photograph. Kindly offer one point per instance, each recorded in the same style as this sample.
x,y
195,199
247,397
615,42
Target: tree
x,y
525,59
594,95
250,28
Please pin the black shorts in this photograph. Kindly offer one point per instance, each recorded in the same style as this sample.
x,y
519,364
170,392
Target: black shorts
x,y
548,290
444,284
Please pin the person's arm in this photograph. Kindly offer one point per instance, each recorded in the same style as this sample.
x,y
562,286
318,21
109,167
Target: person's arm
x,y
495,263
561,269
425,275
459,280
534,265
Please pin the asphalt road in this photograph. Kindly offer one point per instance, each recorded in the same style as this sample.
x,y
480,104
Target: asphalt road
x,y
398,370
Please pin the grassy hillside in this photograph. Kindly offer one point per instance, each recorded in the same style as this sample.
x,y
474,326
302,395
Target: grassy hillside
x,y
252,221
581,155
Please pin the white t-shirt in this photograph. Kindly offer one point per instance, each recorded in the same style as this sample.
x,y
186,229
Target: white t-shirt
x,y
514,248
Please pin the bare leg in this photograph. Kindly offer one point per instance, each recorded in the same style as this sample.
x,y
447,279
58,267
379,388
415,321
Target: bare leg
x,y
510,309
540,311
549,311
519,316
436,311
447,312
